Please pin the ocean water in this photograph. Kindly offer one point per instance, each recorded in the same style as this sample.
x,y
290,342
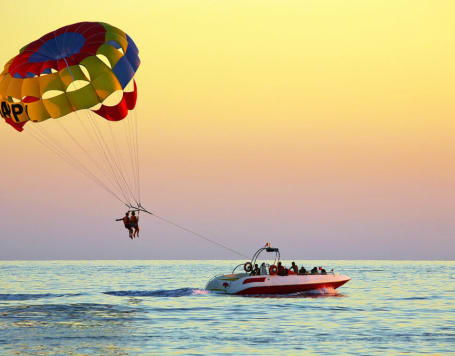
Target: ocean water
x,y
161,307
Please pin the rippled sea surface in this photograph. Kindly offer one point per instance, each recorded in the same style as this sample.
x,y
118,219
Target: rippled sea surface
x,y
161,307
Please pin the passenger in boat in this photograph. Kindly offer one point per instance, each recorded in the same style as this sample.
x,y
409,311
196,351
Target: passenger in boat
x,y
281,270
314,270
263,268
134,220
294,268
303,270
285,271
323,271
127,223
256,271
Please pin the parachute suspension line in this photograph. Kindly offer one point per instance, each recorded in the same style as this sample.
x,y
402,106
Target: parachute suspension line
x,y
115,165
117,155
102,165
96,164
70,159
65,156
129,130
111,158
108,164
51,142
108,157
125,131
123,165
130,149
134,141
129,135
138,176
128,122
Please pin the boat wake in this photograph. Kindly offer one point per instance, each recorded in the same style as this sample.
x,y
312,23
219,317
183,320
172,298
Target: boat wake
x,y
323,292
35,296
181,292
316,293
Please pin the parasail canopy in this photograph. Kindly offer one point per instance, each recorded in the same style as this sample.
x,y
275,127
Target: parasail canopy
x,y
70,75
73,68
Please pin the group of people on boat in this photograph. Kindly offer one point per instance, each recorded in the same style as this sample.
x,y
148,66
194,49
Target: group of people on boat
x,y
131,223
281,270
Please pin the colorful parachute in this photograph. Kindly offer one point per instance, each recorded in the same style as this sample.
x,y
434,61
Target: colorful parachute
x,y
68,75
75,67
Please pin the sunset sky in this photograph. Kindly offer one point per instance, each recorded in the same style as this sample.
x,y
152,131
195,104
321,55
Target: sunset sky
x,y
324,127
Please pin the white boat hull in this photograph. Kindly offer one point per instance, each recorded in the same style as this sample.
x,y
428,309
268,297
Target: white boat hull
x,y
242,283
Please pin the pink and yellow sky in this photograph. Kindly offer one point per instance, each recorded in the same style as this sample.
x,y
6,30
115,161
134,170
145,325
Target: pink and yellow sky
x,y
325,127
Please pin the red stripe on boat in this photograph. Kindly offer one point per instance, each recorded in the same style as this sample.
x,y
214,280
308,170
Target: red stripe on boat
x,y
253,280
286,289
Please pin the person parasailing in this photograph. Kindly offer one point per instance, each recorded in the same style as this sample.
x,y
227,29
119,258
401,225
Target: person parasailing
x,y
134,221
127,222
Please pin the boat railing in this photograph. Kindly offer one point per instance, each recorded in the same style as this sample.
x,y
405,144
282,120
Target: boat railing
x,y
241,264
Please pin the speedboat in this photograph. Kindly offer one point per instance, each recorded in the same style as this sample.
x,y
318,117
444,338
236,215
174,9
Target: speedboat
x,y
269,280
